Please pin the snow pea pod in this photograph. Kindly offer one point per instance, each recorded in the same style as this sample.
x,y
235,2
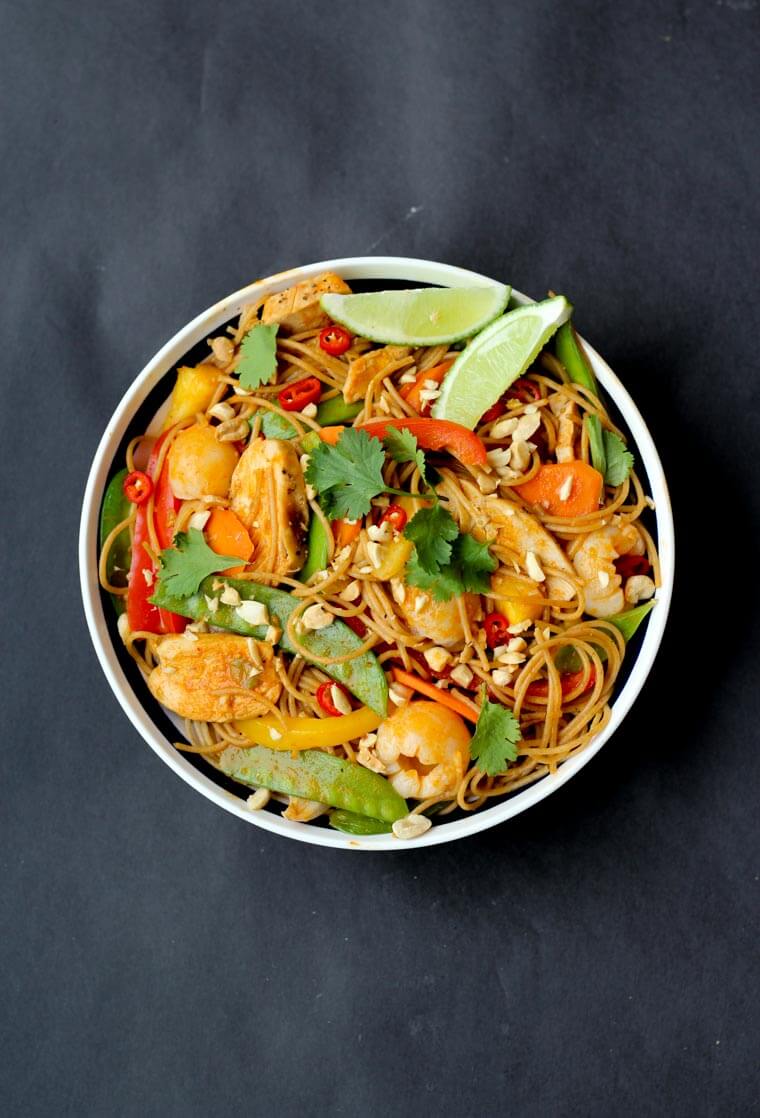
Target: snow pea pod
x,y
315,775
568,660
316,549
116,508
352,824
329,412
362,675
570,353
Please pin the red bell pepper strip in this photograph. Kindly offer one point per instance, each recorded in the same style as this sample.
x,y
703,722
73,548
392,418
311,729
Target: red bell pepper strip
x,y
435,434
141,613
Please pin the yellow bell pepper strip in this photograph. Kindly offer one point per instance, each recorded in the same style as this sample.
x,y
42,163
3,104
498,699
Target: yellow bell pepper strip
x,y
315,775
308,733
192,392
362,675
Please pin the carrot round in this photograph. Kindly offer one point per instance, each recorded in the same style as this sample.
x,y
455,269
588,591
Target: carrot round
x,y
565,489
227,535
411,392
435,693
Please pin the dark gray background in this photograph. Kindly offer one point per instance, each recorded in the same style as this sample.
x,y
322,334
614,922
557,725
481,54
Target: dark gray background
x,y
596,956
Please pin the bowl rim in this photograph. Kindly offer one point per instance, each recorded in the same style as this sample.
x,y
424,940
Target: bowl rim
x,y
163,362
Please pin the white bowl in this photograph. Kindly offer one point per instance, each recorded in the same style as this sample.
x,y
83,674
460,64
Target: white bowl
x,y
165,361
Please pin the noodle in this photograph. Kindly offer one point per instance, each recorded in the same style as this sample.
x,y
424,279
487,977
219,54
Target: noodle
x,y
559,710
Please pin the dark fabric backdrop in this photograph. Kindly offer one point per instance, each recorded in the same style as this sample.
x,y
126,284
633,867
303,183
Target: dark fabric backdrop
x,y
597,955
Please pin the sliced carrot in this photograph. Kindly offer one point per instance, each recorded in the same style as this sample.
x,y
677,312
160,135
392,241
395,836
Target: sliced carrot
x,y
411,392
345,532
330,434
550,485
433,692
227,535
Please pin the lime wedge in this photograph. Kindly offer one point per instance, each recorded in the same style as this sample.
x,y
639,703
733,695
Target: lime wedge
x,y
419,316
485,369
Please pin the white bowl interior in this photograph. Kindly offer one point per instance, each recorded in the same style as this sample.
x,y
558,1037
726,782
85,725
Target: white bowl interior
x,y
354,268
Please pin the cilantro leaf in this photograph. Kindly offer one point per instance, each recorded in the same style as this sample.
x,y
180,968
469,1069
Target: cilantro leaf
x,y
431,530
619,460
442,586
184,566
497,733
348,475
473,563
258,356
401,444
469,568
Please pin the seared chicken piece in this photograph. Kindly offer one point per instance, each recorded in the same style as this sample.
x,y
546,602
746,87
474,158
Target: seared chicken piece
x,y
438,621
297,308
268,493
365,368
214,678
524,534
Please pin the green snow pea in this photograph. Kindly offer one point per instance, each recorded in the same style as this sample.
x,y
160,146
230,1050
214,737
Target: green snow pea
x,y
352,824
363,675
570,353
316,775
116,508
329,413
316,549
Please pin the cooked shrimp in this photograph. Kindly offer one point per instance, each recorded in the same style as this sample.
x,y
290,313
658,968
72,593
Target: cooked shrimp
x,y
297,308
214,677
425,749
303,811
438,621
268,494
594,556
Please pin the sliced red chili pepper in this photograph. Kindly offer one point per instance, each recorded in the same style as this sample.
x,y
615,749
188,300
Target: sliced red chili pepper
x,y
435,434
493,412
396,517
137,487
334,340
325,699
568,682
524,390
628,565
295,397
497,630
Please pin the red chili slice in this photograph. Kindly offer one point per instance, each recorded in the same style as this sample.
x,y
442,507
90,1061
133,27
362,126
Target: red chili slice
x,y
357,625
295,397
324,698
628,565
334,340
497,629
137,487
396,517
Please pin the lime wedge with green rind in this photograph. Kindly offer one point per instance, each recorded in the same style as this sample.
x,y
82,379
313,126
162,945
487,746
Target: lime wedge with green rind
x,y
496,358
418,316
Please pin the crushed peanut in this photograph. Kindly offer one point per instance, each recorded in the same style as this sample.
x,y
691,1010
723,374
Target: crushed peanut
x,y
411,826
437,658
229,595
316,617
533,568
253,613
199,519
351,592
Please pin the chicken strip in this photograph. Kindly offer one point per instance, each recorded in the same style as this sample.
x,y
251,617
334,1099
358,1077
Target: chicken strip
x,y
215,677
297,308
268,494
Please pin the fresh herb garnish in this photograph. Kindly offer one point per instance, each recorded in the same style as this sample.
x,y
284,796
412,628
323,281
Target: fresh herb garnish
x,y
431,530
497,733
348,475
258,356
619,460
184,566
401,444
468,567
